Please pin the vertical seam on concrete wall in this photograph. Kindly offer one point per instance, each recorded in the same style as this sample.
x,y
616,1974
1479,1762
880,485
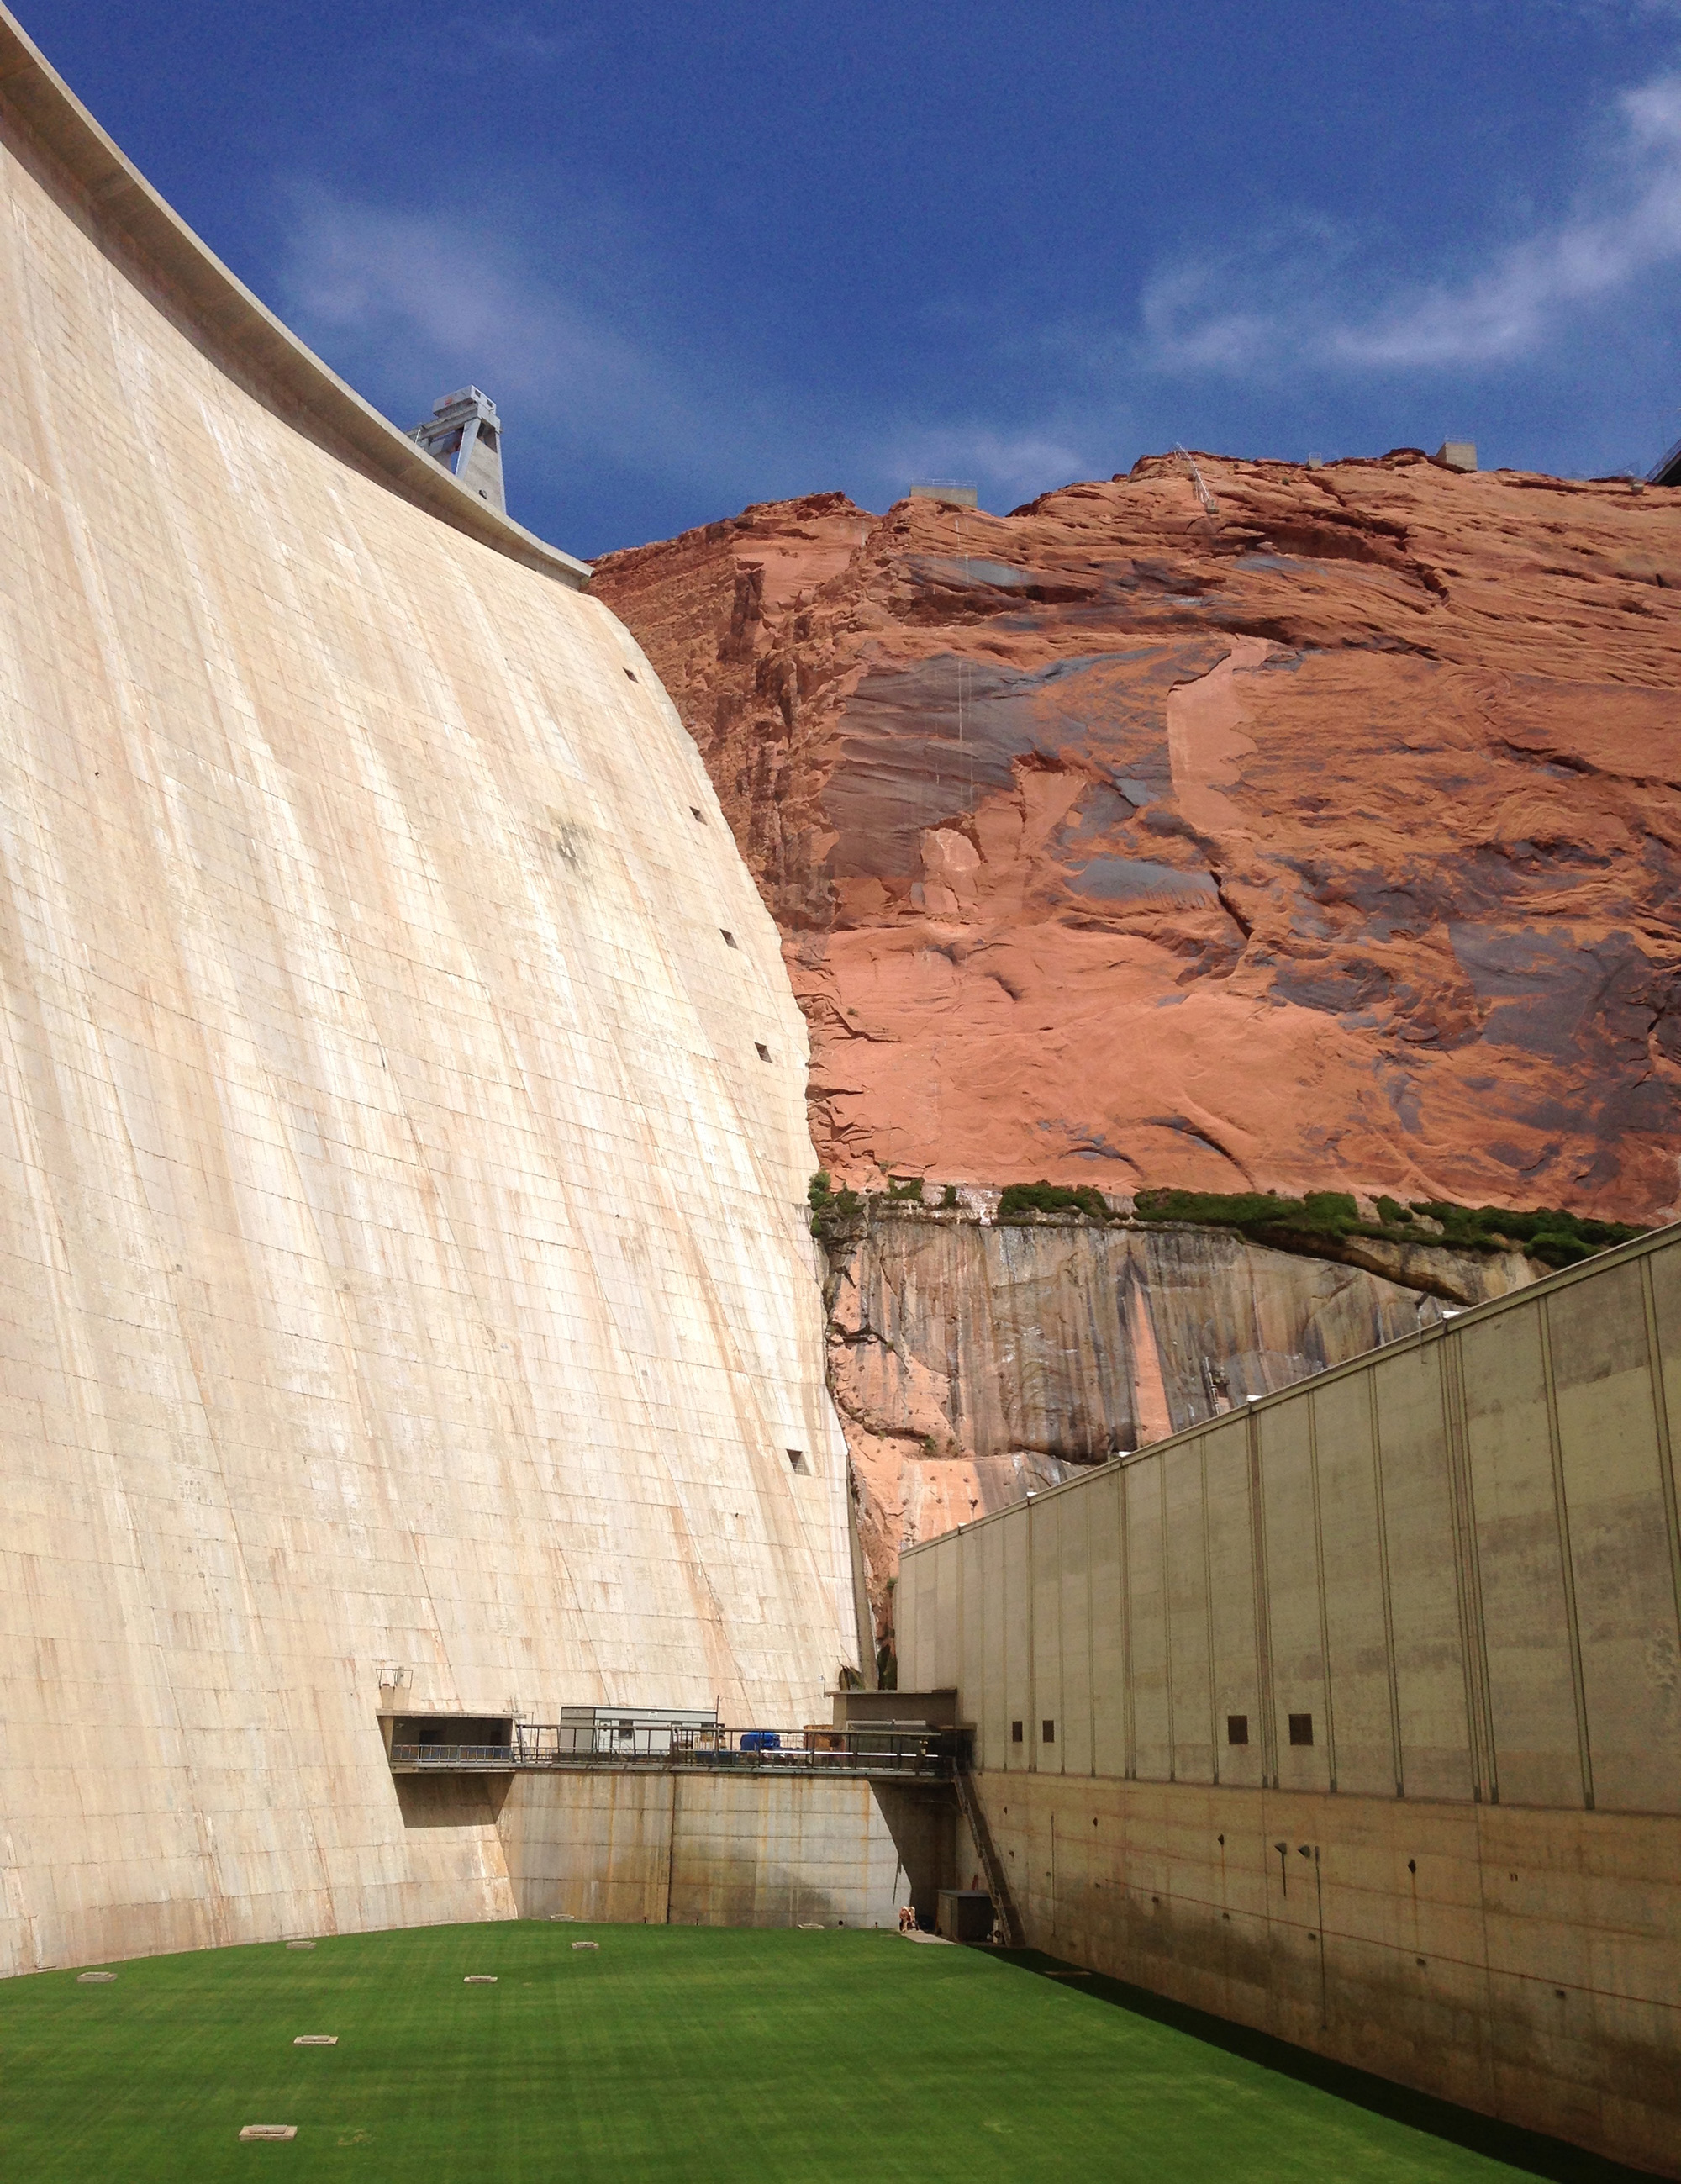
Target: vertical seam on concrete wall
x,y
1567,1564
1660,1419
1319,1577
1263,1636
1393,1677
1661,1416
1208,1622
959,1650
1091,1659
1030,1728
1166,1620
1129,1719
1484,1778
1058,1654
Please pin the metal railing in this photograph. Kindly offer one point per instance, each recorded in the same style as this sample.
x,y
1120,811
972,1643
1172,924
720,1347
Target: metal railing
x,y
818,1750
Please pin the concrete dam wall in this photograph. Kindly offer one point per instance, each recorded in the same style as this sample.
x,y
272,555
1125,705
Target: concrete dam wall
x,y
1357,1715
403,1271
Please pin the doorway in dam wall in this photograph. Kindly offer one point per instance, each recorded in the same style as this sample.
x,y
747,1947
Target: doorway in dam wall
x,y
467,1790
445,1739
922,1822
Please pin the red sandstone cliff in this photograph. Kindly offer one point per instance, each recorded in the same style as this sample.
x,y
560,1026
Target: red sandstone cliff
x,y
1328,838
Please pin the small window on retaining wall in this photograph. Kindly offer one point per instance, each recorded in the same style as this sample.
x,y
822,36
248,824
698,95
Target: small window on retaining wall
x,y
1047,1732
1301,1729
796,1461
761,1050
729,937
1014,1732
1236,1728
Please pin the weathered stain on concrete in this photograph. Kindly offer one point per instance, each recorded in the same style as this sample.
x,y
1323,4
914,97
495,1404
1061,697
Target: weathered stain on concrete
x,y
694,1848
401,1250
1520,1962
1425,1607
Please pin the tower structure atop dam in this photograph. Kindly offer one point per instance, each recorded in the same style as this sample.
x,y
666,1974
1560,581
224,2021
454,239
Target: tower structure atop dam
x,y
465,434
404,1279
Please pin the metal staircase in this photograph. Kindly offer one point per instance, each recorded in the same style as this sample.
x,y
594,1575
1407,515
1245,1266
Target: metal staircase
x,y
997,1887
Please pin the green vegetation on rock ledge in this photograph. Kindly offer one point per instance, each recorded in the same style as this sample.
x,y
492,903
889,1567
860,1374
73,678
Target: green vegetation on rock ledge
x,y
830,1207
1042,1197
1327,1217
833,1210
1557,1238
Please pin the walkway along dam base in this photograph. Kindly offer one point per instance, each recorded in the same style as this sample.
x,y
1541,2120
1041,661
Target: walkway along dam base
x,y
404,1282
1354,1715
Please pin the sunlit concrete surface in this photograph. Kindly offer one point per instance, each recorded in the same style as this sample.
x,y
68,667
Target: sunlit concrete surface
x,y
402,1260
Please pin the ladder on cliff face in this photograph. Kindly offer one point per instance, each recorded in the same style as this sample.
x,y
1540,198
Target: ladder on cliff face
x,y
997,1887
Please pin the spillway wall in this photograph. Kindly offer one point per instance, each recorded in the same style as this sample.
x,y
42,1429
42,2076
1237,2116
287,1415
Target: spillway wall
x,y
1356,1714
402,1268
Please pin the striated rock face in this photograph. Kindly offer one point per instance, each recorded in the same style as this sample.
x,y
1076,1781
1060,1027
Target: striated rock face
x,y
1329,838
972,1363
1325,838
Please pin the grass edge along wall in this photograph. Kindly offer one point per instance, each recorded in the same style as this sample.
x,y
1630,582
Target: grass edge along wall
x,y
1356,1714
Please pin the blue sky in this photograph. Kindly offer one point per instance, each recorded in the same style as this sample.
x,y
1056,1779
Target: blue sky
x,y
708,254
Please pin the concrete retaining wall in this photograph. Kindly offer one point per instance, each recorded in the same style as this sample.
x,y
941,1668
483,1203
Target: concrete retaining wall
x,y
710,1850
1433,1597
1523,1963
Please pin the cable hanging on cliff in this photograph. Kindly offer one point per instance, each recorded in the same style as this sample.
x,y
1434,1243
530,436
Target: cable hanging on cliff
x,y
1203,495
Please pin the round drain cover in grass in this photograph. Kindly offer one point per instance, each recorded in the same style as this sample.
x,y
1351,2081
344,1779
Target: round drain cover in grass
x,y
316,2040
480,1979
270,2130
95,1979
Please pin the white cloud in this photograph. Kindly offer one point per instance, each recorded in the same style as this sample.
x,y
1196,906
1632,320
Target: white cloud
x,y
581,339
408,302
1012,466
422,298
1305,300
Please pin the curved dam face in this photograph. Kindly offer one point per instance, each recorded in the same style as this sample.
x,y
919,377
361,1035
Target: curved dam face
x,y
403,1272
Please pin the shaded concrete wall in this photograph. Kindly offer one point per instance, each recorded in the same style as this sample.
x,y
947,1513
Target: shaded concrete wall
x,y
1521,1962
719,1850
401,1258
1456,1565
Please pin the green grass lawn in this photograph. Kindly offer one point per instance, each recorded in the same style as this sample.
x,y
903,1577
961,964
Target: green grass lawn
x,y
672,2053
